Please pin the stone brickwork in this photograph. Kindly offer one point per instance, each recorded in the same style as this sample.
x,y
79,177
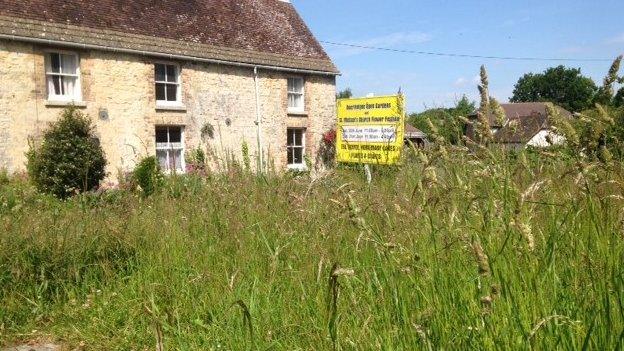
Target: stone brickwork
x,y
123,85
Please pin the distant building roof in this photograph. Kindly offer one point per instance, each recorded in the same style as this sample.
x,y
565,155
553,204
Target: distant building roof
x,y
524,109
262,32
412,132
523,121
521,129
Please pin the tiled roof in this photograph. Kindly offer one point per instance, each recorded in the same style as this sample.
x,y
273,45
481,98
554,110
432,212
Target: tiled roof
x,y
520,130
524,121
263,32
413,132
523,109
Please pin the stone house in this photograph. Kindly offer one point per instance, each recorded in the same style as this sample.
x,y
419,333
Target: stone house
x,y
525,124
165,77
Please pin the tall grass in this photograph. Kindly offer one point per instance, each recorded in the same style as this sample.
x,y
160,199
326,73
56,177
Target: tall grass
x,y
452,250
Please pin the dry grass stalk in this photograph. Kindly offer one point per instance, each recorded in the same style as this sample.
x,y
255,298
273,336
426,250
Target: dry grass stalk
x,y
482,259
556,318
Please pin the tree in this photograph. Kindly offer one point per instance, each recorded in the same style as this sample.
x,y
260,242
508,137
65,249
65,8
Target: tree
x,y
69,158
344,94
565,87
618,100
446,120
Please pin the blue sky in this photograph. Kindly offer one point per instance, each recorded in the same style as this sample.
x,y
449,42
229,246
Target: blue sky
x,y
575,29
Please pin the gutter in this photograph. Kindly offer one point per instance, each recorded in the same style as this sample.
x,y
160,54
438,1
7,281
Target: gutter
x,y
163,55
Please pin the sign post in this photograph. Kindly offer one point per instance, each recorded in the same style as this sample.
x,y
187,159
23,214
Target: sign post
x,y
370,130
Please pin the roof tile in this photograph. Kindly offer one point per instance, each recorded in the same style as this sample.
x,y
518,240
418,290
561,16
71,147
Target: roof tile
x,y
268,32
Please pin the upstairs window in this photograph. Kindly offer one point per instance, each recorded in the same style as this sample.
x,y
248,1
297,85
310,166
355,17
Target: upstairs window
x,y
63,76
296,94
170,148
167,78
296,148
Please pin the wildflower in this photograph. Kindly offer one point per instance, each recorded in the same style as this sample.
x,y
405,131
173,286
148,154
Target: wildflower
x,y
329,138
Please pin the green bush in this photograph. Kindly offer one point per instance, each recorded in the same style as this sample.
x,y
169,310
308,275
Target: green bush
x,y
4,177
69,158
148,175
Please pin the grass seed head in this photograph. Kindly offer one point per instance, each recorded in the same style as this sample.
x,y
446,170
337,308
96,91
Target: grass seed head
x,y
482,259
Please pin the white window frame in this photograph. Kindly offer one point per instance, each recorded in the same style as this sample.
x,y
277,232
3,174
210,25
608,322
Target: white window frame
x,y
290,148
301,93
51,96
178,69
169,147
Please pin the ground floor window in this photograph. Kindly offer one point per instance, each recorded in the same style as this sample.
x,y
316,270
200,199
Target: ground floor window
x,y
170,148
295,148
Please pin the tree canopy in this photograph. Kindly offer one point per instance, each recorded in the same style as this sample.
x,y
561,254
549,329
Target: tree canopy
x,y
563,86
445,120
344,94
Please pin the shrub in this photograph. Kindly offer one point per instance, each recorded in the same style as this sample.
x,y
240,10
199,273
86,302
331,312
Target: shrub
x,y
327,150
69,159
4,177
148,175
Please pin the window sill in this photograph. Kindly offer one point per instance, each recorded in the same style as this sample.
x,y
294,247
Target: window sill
x,y
57,103
297,113
297,168
180,108
172,173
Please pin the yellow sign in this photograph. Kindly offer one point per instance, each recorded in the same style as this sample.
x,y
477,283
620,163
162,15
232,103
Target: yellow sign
x,y
370,130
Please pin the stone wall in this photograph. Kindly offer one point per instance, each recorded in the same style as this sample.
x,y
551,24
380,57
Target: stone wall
x,y
123,85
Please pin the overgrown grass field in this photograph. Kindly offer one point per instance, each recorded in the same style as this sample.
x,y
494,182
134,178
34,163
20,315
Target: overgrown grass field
x,y
452,250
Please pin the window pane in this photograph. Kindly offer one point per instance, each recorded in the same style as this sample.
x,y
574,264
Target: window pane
x,y
172,92
68,86
298,138
161,91
298,155
291,137
161,135
159,72
295,101
69,64
292,101
55,62
175,134
177,159
162,158
295,85
291,157
57,85
172,75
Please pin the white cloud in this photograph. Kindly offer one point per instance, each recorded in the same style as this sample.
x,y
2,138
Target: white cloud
x,y
460,82
392,40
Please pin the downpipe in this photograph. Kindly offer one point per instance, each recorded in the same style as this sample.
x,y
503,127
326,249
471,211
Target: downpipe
x,y
258,123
